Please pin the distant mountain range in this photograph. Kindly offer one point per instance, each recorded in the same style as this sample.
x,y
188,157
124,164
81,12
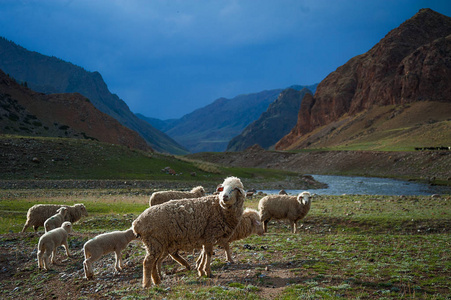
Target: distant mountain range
x,y
277,121
398,93
69,115
52,75
212,127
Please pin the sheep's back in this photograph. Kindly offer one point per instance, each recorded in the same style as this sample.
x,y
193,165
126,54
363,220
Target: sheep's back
x,y
182,224
277,206
39,213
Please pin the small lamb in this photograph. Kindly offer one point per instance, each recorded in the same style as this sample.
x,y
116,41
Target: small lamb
x,y
56,220
292,208
51,240
165,196
249,224
103,244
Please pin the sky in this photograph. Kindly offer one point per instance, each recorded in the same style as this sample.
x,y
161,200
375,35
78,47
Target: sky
x,y
167,58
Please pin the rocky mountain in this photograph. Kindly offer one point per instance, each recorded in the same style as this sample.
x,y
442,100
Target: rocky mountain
x,y
212,127
277,121
52,75
71,115
410,64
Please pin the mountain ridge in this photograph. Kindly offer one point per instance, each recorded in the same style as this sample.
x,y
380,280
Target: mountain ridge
x,y
411,63
53,75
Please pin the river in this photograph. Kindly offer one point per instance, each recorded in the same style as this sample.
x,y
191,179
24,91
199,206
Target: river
x,y
339,185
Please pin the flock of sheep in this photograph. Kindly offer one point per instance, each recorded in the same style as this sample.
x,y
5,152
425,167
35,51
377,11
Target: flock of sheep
x,y
175,221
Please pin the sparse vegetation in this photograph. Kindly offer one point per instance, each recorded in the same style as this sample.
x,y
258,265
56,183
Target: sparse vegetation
x,y
376,247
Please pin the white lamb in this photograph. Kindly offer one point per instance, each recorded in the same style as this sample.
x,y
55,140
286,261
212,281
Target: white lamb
x,y
103,244
39,213
51,240
292,208
248,225
188,224
56,220
165,196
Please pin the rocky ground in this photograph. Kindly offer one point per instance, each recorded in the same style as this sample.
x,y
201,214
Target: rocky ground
x,y
430,166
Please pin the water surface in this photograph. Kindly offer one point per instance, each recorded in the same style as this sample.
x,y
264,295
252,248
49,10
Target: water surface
x,y
339,185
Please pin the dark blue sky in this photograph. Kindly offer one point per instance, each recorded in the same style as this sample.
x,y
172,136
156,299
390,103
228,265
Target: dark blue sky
x,y
168,58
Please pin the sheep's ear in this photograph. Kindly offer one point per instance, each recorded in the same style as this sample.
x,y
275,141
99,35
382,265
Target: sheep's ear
x,y
239,190
220,188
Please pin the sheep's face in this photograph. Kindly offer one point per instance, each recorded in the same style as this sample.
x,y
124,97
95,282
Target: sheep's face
x,y
304,198
257,227
229,195
67,226
82,209
62,210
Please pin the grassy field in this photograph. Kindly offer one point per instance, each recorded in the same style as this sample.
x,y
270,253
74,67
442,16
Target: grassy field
x,y
356,247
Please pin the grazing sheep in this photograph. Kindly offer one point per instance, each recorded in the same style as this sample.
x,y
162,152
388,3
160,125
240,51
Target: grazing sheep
x,y
188,224
165,196
292,208
39,213
248,225
103,244
55,221
51,240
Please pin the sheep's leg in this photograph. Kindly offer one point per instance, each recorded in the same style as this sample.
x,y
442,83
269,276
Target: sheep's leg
x,y
53,254
204,268
25,227
150,271
118,262
35,227
200,259
40,260
176,256
228,252
294,227
87,266
66,246
46,259
265,225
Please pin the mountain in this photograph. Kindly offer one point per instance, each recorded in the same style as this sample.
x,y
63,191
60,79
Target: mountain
x,y
273,124
52,75
28,113
212,127
410,64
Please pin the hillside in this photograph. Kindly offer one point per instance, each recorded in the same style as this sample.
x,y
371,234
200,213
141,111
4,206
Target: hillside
x,y
25,112
52,75
210,128
273,124
409,65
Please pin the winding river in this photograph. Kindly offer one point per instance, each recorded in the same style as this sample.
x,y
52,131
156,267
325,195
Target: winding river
x,y
339,185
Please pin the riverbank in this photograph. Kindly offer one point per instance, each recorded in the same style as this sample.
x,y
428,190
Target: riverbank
x,y
432,167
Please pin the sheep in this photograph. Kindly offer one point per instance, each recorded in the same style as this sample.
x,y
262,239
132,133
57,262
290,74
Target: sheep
x,y
48,243
102,244
39,213
278,207
188,224
248,225
165,196
56,220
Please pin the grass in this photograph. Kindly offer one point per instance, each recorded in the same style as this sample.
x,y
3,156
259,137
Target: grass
x,y
70,159
359,247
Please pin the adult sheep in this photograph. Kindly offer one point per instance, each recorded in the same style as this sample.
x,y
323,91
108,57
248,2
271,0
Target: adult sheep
x,y
39,213
165,196
292,208
188,224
